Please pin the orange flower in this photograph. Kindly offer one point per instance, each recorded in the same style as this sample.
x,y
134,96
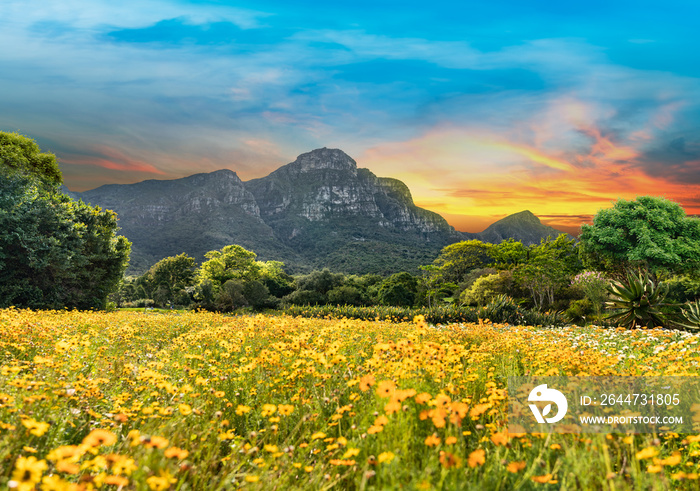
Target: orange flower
x,y
117,481
423,398
449,460
97,438
499,438
392,407
542,479
386,388
432,441
176,453
477,457
450,440
366,382
516,467
156,442
285,409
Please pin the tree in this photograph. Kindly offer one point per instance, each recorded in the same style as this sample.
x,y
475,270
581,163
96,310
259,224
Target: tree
x,y
647,232
21,155
457,260
169,277
399,290
551,265
54,252
231,262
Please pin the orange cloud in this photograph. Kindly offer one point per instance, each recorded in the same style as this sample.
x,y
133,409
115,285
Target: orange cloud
x,y
474,177
111,158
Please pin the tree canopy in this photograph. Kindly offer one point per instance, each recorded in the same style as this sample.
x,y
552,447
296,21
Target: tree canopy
x,y
21,155
54,252
648,231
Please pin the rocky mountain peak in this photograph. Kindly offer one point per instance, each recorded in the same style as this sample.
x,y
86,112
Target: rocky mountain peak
x,y
324,158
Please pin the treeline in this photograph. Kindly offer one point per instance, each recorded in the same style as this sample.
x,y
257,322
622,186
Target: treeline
x,y
559,274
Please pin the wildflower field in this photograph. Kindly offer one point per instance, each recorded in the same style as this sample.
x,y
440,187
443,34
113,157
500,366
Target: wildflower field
x,y
202,401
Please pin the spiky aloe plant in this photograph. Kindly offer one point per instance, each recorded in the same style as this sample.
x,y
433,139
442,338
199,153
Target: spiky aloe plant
x,y
691,316
638,301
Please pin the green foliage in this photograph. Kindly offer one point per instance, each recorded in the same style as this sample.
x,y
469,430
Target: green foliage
x,y
579,309
484,289
649,232
55,252
399,289
549,269
691,317
509,254
442,314
638,301
682,289
21,155
594,285
457,260
503,308
231,262
345,295
168,279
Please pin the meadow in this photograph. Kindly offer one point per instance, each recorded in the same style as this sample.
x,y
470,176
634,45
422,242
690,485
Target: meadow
x,y
204,401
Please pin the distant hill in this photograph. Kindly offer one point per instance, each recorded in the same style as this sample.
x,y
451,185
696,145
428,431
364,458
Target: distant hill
x,y
523,226
319,211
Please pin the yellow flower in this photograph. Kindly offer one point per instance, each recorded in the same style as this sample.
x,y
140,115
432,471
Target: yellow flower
x,y
351,452
647,453
35,428
162,482
268,410
185,409
241,410
285,409
385,457
28,472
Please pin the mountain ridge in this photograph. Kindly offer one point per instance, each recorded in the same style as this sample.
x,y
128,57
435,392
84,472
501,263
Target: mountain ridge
x,y
320,210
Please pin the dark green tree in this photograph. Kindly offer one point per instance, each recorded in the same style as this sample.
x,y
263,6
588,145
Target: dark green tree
x,y
55,252
399,290
647,232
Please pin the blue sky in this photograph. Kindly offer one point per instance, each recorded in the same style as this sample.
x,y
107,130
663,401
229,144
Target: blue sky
x,y
482,108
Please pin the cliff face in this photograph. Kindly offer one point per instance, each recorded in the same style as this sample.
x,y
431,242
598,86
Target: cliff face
x,y
326,186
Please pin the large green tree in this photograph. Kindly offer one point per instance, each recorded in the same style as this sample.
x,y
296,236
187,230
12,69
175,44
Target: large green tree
x,y
648,232
54,252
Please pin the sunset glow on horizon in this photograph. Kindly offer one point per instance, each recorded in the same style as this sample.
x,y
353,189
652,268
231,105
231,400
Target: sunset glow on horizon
x,y
483,110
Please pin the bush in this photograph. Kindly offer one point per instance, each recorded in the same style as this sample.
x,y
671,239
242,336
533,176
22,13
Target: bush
x,y
484,289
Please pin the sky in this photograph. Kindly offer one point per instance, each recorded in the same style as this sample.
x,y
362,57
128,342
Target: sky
x,y
483,109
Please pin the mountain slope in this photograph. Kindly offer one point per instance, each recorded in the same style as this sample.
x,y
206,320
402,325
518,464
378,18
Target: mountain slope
x,y
523,226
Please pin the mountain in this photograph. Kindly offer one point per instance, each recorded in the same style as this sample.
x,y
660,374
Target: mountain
x,y
319,211
523,226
